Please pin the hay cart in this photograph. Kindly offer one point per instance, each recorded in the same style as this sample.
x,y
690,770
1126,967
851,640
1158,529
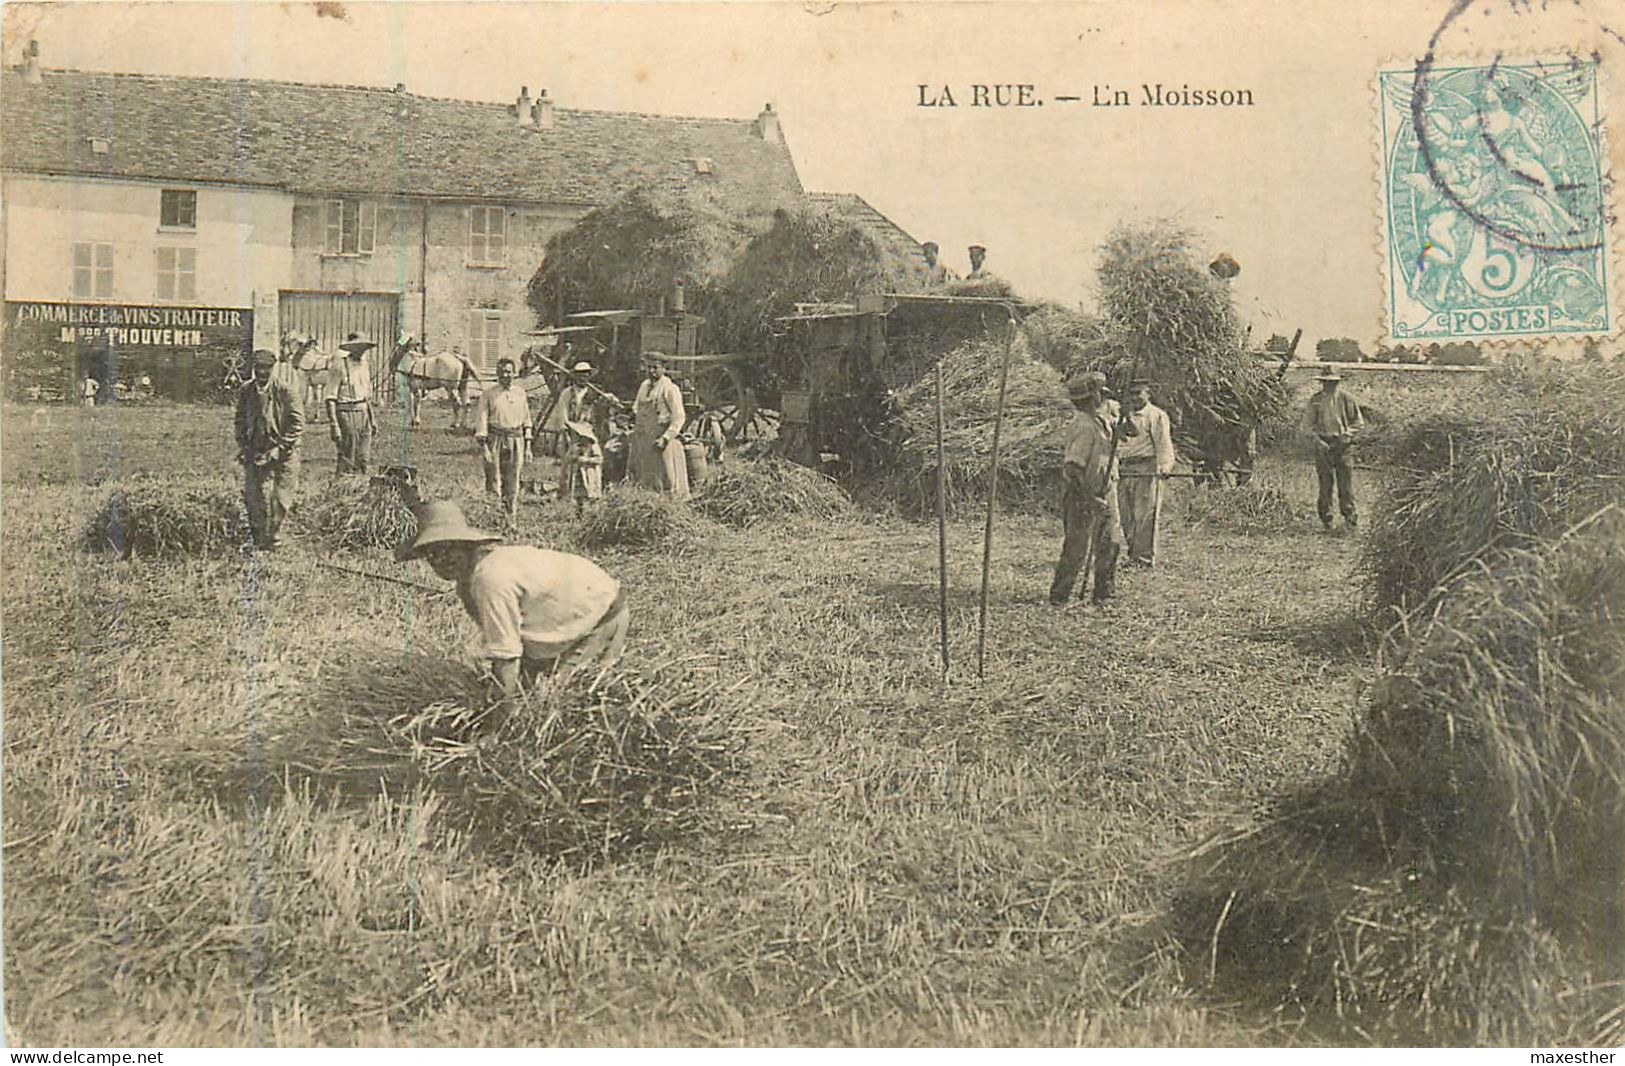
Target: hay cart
x,y
839,363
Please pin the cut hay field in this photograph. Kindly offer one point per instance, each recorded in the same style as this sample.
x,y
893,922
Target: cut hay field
x,y
898,863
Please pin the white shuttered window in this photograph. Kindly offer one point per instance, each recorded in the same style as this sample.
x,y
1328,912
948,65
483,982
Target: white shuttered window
x,y
352,227
177,274
93,269
487,236
485,336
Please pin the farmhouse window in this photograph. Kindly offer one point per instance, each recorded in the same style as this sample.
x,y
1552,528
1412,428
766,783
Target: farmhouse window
x,y
487,236
485,336
177,274
92,269
352,227
178,209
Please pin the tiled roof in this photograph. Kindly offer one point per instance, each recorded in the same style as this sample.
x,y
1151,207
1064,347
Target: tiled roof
x,y
856,209
354,139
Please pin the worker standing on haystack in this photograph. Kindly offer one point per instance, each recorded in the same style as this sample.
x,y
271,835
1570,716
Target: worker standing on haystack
x,y
270,419
1145,454
1332,418
539,611
656,457
349,405
502,430
1088,502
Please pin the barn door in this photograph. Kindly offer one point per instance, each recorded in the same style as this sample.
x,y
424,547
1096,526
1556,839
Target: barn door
x,y
330,317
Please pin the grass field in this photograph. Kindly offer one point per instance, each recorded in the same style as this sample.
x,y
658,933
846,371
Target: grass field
x,y
903,863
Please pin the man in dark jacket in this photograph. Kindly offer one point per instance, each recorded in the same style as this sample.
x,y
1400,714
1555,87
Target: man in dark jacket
x,y
270,419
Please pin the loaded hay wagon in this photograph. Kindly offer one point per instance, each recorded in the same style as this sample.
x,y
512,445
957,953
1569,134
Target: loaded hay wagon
x,y
838,364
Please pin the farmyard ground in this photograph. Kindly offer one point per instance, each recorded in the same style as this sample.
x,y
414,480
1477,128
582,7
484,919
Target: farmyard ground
x,y
978,865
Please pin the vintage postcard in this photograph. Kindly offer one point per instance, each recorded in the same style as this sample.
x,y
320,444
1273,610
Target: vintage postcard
x,y
812,524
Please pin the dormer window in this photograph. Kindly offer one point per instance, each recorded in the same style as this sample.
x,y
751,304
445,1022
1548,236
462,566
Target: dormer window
x,y
177,209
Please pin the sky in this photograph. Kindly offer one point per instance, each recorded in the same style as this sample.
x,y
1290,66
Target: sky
x,y
1287,186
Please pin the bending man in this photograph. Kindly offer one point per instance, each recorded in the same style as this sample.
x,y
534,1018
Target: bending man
x,y
539,612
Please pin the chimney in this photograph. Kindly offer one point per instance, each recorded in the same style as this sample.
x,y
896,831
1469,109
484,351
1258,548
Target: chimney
x,y
521,110
541,112
978,255
767,125
31,69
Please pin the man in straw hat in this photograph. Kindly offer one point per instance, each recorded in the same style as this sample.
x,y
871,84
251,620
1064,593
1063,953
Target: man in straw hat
x,y
270,419
349,405
502,430
1145,454
538,611
655,458
1332,418
574,403
1088,503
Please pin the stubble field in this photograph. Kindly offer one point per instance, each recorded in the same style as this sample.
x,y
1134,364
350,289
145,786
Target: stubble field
x,y
902,863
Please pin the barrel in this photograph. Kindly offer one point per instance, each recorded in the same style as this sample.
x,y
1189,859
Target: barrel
x,y
698,469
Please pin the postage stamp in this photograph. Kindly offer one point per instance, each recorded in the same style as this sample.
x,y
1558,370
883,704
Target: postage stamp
x,y
1494,201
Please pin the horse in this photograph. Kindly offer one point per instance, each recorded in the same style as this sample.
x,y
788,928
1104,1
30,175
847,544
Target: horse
x,y
451,371
309,365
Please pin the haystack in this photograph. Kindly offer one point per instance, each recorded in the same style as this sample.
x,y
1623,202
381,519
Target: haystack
x,y
1035,417
1167,318
809,254
356,514
170,517
636,519
745,493
1536,451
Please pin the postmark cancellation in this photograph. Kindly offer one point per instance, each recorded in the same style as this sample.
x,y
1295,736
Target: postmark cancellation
x,y
1494,201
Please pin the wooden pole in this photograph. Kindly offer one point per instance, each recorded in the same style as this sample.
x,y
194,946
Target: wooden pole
x,y
942,531
992,499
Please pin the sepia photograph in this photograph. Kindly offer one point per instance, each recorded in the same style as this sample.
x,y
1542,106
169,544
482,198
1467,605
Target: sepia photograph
x,y
1071,523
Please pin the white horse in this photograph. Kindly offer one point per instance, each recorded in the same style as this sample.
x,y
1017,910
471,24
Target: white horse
x,y
425,373
311,365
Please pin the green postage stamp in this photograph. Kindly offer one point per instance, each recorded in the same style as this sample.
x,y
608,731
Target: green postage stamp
x,y
1494,201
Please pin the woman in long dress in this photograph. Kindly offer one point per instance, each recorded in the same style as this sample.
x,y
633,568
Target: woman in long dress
x,y
656,455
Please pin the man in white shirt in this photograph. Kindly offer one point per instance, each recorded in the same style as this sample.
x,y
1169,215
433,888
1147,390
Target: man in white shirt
x,y
539,612
502,430
655,458
349,405
1145,456
88,389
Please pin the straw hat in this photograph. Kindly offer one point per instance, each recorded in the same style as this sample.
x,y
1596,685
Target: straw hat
x,y
1328,374
355,344
582,367
442,522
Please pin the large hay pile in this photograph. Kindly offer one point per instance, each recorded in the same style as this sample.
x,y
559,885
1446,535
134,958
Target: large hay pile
x,y
809,254
584,768
1459,882
1030,447
1167,318
170,517
1535,452
748,492
633,518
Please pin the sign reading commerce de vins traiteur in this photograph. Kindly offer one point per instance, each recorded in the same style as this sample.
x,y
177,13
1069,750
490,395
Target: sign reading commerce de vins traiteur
x,y
183,349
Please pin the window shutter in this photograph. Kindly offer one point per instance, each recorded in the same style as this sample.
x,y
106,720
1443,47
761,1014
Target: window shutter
x,y
335,226
166,274
476,235
186,274
82,280
496,243
104,270
368,227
